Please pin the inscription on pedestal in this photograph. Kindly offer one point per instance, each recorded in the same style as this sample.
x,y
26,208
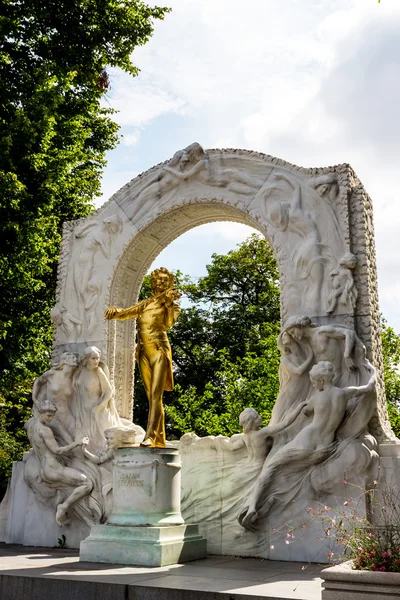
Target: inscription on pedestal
x,y
130,480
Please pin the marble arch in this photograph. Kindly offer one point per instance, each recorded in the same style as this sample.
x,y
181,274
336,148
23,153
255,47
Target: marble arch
x,y
313,218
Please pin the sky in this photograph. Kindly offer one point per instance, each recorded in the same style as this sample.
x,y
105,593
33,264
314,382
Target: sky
x,y
314,82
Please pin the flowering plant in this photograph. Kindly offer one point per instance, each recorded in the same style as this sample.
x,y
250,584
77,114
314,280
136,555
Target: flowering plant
x,y
370,539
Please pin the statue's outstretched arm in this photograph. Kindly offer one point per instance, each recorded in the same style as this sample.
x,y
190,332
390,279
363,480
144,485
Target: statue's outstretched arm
x,y
271,430
120,314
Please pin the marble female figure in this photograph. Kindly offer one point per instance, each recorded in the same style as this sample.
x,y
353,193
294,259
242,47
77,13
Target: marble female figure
x,y
95,238
308,257
94,407
55,386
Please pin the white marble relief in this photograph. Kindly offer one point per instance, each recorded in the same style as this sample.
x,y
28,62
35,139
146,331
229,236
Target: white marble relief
x,y
68,324
191,164
94,240
343,292
53,472
75,417
313,444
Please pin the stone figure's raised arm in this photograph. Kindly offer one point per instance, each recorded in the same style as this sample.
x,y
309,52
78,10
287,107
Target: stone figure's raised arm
x,y
354,391
95,458
297,369
271,430
52,445
82,230
234,443
37,387
339,333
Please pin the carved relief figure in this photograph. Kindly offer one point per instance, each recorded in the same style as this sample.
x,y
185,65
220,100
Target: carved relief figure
x,y
52,471
325,185
313,444
296,360
155,315
116,437
258,441
307,256
96,238
334,343
343,290
191,162
55,386
69,324
208,174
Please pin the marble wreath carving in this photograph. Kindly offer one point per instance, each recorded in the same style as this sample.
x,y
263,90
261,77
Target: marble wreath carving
x,y
317,437
74,432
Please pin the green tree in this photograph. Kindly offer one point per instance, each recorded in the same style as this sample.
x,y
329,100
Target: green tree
x,y
391,372
54,134
224,347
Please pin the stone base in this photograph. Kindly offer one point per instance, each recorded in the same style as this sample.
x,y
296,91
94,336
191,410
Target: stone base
x,y
143,546
343,583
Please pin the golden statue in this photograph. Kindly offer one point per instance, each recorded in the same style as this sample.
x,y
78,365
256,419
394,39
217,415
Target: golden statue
x,y
155,315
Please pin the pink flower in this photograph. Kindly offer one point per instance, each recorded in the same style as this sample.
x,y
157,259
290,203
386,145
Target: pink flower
x,y
303,568
383,568
287,542
326,508
275,530
385,554
293,536
309,509
272,547
345,482
330,554
375,482
288,535
345,503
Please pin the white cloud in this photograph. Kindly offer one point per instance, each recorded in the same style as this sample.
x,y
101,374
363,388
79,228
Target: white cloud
x,y
131,139
313,82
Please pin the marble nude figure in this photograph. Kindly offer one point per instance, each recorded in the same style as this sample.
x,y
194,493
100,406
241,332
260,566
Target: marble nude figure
x,y
74,432
327,407
154,316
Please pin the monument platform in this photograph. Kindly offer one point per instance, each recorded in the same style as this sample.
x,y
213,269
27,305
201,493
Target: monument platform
x,y
45,574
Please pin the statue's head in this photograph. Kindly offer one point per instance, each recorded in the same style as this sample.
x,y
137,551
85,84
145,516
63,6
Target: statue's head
x,y
161,280
326,186
113,223
348,260
322,373
91,357
295,326
47,410
117,437
279,215
67,358
250,420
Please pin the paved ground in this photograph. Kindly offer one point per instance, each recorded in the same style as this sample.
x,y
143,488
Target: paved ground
x,y
33,573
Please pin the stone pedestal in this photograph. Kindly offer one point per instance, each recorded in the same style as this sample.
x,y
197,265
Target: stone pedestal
x,y
146,527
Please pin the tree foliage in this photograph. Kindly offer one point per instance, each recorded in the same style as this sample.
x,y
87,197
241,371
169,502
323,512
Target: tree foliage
x,y
54,134
391,372
224,344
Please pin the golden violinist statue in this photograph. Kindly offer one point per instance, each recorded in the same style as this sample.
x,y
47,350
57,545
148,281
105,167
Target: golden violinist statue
x,y
154,316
